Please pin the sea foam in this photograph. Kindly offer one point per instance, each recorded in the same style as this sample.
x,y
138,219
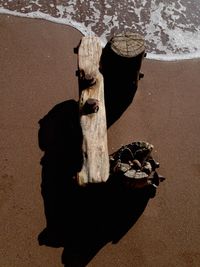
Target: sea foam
x,y
171,29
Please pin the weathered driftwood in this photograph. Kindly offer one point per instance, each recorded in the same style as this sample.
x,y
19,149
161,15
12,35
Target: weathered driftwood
x,y
120,64
95,167
134,165
124,52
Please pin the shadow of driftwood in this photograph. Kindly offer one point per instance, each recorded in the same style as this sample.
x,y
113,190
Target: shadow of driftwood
x,y
60,138
120,81
106,214
80,219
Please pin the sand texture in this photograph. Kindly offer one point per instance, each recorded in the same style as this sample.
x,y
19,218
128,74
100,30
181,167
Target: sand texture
x,y
37,71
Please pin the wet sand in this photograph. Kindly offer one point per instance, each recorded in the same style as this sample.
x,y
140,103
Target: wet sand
x,y
37,72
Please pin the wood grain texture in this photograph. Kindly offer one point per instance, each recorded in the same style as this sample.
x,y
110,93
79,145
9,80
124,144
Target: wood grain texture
x,y
95,167
128,44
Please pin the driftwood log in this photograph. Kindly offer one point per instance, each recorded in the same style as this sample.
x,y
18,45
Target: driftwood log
x,y
120,64
127,50
95,168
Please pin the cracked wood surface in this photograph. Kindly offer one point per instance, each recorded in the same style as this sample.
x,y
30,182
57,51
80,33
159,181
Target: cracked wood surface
x,y
95,166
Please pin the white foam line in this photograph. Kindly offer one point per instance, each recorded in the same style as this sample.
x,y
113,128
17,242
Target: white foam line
x,y
85,31
39,15
174,57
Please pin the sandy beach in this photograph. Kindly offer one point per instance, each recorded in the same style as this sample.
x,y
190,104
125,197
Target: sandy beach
x,y
37,71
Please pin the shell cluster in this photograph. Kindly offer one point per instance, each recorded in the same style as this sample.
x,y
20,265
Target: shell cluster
x,y
135,165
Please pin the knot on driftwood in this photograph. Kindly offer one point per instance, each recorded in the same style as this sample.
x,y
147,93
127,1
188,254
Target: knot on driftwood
x,y
91,106
134,165
86,79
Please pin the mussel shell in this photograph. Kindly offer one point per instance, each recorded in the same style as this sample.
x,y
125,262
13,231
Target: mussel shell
x,y
121,167
133,174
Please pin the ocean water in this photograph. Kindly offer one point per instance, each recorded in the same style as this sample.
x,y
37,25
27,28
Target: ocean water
x,y
171,28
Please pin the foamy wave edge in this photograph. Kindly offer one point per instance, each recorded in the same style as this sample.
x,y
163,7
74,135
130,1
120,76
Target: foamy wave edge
x,y
85,31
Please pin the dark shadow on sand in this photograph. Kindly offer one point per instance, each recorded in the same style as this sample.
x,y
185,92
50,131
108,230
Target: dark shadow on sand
x,y
80,219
